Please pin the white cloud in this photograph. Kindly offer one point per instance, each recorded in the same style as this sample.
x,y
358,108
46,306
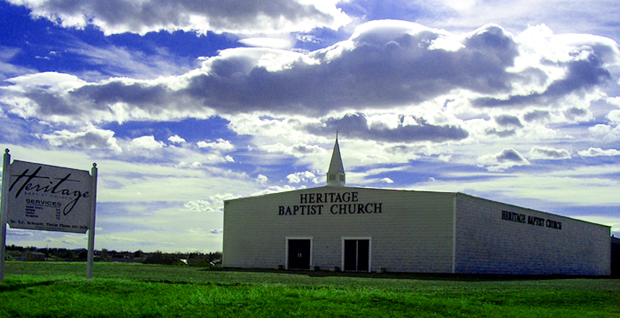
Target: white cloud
x,y
176,139
219,145
214,203
275,189
299,177
194,165
595,152
607,132
262,179
145,143
387,180
90,138
614,116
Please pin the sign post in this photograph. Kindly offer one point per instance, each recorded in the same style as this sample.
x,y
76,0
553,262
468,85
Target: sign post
x,y
91,223
4,210
49,198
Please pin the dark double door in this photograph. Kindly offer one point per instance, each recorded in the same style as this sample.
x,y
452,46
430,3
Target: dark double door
x,y
357,255
299,254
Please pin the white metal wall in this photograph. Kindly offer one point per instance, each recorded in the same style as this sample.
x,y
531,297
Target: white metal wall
x,y
528,242
415,232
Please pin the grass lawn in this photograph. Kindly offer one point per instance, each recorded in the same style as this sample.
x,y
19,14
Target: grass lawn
x,y
121,290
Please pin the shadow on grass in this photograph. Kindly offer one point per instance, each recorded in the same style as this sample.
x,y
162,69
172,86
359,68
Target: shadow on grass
x,y
414,276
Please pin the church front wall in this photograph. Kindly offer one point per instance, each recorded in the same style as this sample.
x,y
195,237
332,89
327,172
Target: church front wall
x,y
408,230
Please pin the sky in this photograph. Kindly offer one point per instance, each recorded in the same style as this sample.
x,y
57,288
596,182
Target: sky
x,y
183,104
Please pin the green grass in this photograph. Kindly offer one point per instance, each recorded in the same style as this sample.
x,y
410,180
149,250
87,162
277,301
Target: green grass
x,y
60,290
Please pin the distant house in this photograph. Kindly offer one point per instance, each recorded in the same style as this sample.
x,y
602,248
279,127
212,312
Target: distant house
x,y
30,256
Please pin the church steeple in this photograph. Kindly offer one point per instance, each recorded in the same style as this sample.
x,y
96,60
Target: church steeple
x,y
335,174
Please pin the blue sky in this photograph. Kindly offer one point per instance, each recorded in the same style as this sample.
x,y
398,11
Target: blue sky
x,y
184,104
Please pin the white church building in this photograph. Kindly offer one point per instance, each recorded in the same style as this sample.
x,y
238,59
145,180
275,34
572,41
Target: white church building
x,y
336,227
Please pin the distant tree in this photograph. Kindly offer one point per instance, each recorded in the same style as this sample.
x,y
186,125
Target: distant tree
x,y
104,255
83,255
138,254
159,257
68,255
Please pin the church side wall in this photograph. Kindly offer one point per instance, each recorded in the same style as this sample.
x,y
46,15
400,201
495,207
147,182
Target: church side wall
x,y
408,230
503,239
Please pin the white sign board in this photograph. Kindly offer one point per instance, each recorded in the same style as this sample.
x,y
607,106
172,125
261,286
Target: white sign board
x,y
42,197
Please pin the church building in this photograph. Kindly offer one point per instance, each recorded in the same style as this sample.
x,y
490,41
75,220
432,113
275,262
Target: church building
x,y
341,228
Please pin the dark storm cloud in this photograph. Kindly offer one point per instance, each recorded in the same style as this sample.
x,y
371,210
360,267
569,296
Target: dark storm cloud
x,y
581,76
549,153
507,120
537,115
510,155
114,16
51,104
86,99
137,94
574,112
356,126
501,133
379,71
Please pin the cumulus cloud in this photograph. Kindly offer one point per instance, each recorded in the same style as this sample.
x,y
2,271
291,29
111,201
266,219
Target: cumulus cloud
x,y
606,132
585,72
262,179
192,165
595,152
90,138
145,143
276,189
505,159
219,145
176,139
299,177
614,116
214,203
234,16
546,153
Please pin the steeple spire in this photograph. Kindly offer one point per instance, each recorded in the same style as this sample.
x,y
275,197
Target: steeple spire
x,y
335,174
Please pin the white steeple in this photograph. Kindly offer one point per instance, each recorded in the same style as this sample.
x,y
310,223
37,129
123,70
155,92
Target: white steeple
x,y
335,174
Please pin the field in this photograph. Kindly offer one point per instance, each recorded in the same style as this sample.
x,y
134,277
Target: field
x,y
121,290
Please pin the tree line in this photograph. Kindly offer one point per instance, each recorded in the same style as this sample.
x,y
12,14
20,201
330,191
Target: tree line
x,y
14,252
